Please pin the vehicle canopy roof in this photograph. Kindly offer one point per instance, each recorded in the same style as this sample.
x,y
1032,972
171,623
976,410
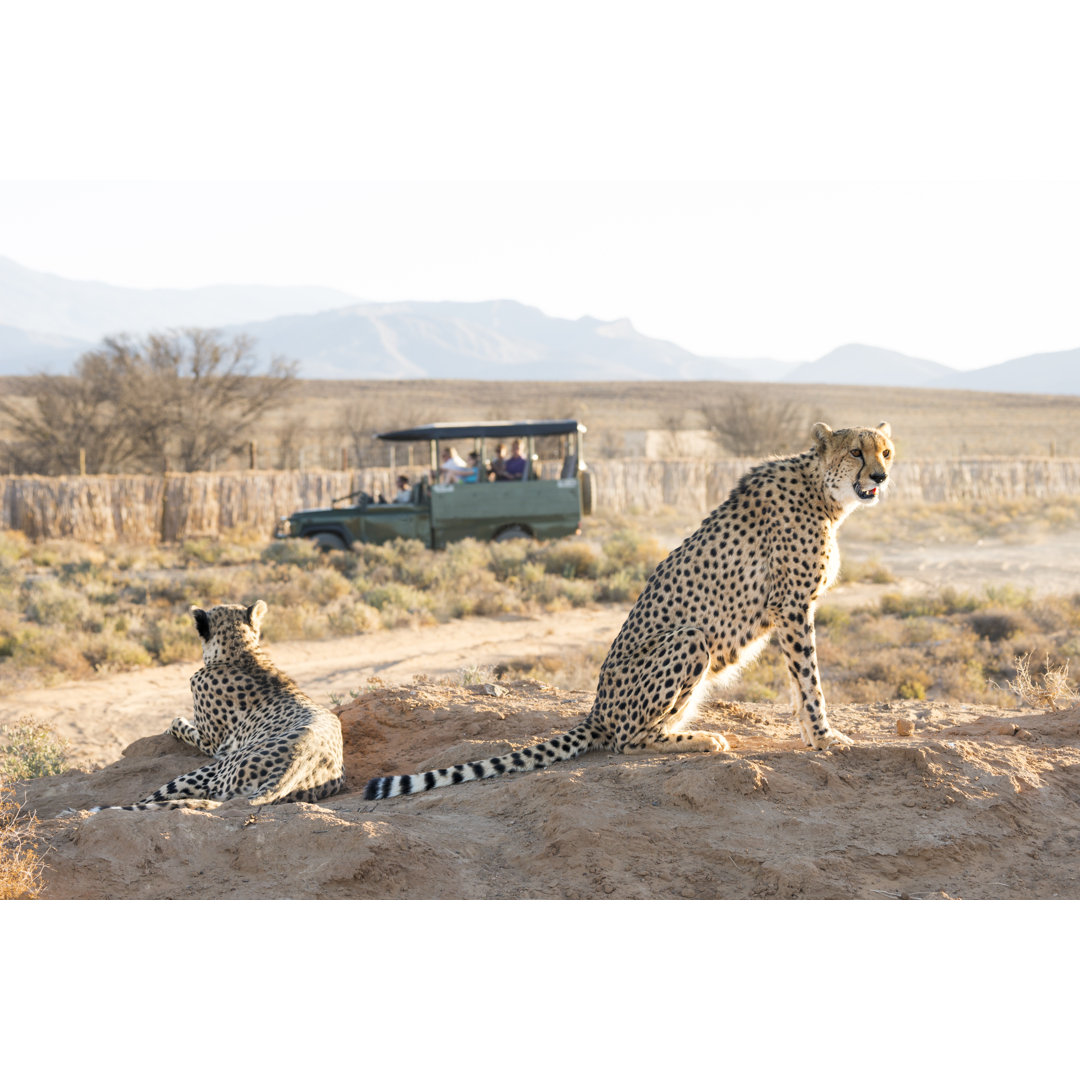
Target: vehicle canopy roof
x,y
485,429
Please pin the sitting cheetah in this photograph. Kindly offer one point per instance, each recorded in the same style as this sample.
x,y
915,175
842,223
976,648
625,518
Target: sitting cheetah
x,y
270,742
758,563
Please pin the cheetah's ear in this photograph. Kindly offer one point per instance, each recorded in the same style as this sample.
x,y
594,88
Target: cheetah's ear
x,y
255,614
821,432
885,429
202,622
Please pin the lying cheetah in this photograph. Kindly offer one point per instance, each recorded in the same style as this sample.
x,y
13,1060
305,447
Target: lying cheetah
x,y
758,563
270,742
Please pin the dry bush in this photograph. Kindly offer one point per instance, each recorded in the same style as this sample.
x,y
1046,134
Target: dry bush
x,y
1055,692
20,861
755,424
1000,625
868,570
27,749
573,670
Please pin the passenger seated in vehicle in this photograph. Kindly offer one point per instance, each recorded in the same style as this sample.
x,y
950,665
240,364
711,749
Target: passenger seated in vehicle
x,y
473,474
498,463
404,490
516,463
453,467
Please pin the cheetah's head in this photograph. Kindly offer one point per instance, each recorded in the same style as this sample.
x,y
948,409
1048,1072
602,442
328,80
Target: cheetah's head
x,y
857,462
228,629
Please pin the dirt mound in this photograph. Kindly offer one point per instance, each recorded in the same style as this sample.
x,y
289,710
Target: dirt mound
x,y
969,805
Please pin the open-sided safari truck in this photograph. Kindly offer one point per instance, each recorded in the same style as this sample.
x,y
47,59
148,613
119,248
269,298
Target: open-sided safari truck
x,y
548,501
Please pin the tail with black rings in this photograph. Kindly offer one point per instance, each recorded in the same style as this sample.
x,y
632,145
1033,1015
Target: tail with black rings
x,y
560,748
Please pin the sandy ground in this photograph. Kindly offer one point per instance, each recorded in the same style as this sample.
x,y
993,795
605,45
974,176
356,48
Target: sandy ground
x,y
973,803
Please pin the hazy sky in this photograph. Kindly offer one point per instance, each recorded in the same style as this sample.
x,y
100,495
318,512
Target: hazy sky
x,y
752,179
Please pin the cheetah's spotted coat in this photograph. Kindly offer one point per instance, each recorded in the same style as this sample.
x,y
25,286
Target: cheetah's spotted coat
x,y
269,741
758,564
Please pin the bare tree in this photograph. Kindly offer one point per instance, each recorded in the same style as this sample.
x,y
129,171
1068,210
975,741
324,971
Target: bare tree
x,y
749,424
203,394
75,419
183,397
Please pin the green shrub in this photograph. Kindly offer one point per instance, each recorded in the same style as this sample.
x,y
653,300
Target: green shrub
x,y
999,625
13,546
621,587
48,603
870,570
173,637
29,749
574,559
912,690
293,553
109,651
629,550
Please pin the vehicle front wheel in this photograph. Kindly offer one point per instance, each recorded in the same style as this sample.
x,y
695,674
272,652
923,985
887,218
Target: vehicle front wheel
x,y
327,541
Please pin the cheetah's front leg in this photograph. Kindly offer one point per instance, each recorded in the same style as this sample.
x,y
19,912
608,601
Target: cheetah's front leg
x,y
796,634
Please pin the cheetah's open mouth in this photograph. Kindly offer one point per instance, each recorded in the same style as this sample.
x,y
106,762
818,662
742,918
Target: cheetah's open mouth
x,y
867,494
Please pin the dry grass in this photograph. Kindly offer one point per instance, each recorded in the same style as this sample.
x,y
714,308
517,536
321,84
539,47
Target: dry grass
x,y
949,423
20,860
949,646
28,749
1013,521
1054,693
320,420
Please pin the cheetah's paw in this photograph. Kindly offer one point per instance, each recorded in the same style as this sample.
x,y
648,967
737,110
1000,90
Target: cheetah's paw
x,y
833,740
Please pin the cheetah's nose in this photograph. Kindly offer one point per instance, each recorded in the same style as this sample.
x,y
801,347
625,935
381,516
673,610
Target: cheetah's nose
x,y
879,477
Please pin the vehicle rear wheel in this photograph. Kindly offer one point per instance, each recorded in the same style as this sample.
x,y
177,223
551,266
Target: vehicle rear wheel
x,y
585,480
327,541
513,532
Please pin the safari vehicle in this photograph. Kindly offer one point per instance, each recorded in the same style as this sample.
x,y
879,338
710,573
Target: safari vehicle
x,y
548,501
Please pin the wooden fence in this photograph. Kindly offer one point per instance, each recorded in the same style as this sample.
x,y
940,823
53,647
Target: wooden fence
x,y
150,509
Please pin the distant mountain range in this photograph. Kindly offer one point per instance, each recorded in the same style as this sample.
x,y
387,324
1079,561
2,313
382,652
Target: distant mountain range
x,y
63,318
495,339
46,322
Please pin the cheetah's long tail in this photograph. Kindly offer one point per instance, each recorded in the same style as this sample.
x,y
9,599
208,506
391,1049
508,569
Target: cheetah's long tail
x,y
165,804
560,748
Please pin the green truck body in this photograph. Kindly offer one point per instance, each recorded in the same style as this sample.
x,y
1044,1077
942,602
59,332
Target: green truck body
x,y
441,513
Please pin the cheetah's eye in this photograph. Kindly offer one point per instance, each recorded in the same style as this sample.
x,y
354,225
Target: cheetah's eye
x,y
856,453
886,453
